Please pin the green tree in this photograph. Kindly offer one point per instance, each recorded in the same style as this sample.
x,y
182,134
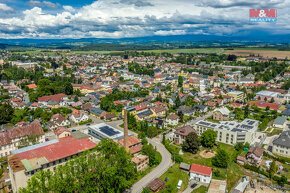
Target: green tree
x,y
68,88
283,180
239,146
246,111
6,113
150,151
208,138
273,168
191,143
221,159
180,81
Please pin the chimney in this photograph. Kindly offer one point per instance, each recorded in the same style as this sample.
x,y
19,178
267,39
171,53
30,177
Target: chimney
x,y
125,131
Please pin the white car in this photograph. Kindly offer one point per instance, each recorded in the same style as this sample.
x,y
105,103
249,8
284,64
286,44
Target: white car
x,y
179,184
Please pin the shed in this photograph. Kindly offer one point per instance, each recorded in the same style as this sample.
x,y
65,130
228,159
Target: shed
x,y
184,166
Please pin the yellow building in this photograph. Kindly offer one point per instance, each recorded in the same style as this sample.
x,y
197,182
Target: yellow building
x,y
237,95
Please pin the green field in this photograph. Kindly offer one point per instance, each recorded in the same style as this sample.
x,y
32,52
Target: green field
x,y
195,50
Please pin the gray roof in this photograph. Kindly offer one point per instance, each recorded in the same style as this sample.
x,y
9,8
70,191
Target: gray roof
x,y
279,120
184,166
283,139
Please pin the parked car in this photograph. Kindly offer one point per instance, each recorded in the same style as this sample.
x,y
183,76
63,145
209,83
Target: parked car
x,y
179,184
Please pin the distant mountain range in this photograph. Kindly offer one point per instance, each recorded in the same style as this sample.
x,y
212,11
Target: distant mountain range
x,y
179,41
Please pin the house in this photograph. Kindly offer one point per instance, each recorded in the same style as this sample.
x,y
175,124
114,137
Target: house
x,y
221,114
281,145
200,173
78,116
25,162
186,110
236,95
159,110
156,185
97,112
109,116
241,160
255,156
61,132
31,86
57,120
58,98
141,162
280,122
200,108
10,139
172,119
181,133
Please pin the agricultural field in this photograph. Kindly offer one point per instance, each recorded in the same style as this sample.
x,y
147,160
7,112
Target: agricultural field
x,y
195,50
260,52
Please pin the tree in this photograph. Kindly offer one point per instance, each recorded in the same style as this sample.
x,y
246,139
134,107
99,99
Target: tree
x,y
180,81
177,102
108,170
283,180
150,151
273,168
191,143
146,190
247,111
6,113
239,146
76,99
68,88
221,159
208,138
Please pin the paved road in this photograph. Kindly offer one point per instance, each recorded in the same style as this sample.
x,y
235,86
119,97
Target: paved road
x,y
156,172
25,94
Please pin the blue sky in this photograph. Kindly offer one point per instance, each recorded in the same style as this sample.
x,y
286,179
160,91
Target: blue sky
x,y
60,19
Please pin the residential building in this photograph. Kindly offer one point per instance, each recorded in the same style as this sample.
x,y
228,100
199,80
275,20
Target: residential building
x,y
25,162
232,132
134,144
255,156
281,145
57,120
78,116
10,139
172,119
200,173
237,95
221,114
280,122
181,133
141,162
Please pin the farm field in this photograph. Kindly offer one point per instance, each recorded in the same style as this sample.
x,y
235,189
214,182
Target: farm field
x,y
261,52
195,50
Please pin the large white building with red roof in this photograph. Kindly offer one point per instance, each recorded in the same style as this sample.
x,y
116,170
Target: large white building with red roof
x,y
200,173
25,162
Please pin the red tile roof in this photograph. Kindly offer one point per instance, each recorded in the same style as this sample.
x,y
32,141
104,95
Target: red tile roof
x,y
33,128
140,107
56,97
31,86
200,169
66,146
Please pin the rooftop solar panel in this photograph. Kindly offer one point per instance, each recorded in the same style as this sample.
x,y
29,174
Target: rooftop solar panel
x,y
109,131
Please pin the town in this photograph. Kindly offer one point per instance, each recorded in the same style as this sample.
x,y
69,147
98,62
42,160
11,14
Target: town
x,y
141,121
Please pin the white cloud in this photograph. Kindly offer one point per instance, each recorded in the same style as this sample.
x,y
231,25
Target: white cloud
x,y
68,8
43,4
133,18
6,8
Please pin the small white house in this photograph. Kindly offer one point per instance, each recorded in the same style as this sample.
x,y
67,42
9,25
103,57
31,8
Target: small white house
x,y
200,173
280,122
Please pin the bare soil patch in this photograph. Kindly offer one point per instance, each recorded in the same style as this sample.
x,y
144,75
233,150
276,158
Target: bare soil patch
x,y
207,154
263,53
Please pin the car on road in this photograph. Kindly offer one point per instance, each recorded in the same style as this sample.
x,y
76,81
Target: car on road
x,y
193,186
73,130
179,184
88,124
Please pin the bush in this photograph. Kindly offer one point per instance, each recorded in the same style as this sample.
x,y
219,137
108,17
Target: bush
x,y
216,173
221,159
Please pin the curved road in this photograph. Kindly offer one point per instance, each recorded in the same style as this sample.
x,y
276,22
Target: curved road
x,y
156,172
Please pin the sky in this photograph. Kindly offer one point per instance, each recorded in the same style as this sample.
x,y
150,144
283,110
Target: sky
x,y
63,19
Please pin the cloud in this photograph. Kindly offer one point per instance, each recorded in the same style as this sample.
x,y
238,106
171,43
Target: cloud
x,y
68,8
129,18
49,4
239,3
5,8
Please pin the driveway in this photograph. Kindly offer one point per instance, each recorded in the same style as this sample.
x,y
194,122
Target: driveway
x,y
192,122
156,172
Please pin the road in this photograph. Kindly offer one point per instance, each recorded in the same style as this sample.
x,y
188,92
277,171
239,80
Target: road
x,y
156,172
25,94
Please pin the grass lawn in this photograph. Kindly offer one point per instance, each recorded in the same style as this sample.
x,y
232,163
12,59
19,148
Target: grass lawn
x,y
201,189
175,174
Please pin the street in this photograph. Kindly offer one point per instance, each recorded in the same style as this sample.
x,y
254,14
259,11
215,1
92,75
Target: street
x,y
192,122
156,172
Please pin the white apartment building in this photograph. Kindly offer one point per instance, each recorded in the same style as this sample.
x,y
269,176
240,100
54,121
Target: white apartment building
x,y
232,132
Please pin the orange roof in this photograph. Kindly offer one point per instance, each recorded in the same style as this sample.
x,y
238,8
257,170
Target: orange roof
x,y
31,86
